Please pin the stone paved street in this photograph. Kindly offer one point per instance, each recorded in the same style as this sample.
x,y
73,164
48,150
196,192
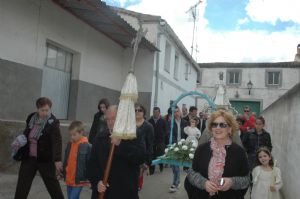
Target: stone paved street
x,y
155,187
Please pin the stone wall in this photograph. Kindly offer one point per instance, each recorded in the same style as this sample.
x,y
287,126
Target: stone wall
x,y
283,122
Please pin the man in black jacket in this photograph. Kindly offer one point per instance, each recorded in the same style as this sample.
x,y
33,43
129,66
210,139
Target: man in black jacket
x,y
160,130
256,138
192,114
129,155
202,122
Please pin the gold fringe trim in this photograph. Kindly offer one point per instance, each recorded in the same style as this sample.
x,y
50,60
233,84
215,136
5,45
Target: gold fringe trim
x,y
124,136
132,97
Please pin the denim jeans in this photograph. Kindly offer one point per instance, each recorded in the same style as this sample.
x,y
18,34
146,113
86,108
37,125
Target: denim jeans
x,y
73,192
176,175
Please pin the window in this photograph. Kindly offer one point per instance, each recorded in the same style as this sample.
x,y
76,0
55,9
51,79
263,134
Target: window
x,y
176,66
234,77
273,78
199,77
186,73
58,58
167,57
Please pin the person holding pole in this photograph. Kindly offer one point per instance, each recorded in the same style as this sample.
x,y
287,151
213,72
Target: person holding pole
x,y
125,167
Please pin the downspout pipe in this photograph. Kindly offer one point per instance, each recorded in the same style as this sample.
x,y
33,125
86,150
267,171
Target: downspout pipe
x,y
157,67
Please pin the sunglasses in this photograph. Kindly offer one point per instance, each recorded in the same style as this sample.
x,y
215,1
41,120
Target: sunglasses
x,y
138,110
221,125
246,111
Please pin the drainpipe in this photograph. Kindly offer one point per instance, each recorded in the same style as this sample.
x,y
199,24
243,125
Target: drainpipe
x,y
157,69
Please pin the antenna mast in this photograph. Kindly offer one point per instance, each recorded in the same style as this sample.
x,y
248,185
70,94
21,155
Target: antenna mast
x,y
194,13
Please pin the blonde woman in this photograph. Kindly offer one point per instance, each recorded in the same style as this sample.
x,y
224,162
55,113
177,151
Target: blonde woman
x,y
220,167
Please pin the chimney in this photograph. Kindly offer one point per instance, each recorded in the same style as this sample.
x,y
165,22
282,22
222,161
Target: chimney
x,y
297,56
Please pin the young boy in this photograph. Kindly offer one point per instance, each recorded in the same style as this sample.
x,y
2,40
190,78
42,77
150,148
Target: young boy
x,y
75,161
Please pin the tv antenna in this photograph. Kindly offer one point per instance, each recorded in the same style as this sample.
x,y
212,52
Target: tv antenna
x,y
193,11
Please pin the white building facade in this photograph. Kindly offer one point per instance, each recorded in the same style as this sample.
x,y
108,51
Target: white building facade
x,y
175,71
50,48
269,82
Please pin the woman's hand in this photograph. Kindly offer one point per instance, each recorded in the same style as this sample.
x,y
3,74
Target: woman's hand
x,y
227,184
211,187
272,188
101,187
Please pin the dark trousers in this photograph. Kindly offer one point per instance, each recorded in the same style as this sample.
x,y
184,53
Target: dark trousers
x,y
95,193
27,172
159,150
152,169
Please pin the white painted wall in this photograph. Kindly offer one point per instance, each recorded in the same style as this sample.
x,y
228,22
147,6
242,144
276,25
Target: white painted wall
x,y
27,25
143,68
283,122
189,84
290,77
169,88
167,92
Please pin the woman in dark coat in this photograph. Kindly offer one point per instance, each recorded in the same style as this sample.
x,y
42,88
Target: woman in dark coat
x,y
145,135
219,160
99,124
42,151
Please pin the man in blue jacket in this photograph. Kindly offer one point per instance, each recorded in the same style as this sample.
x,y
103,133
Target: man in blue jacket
x,y
177,135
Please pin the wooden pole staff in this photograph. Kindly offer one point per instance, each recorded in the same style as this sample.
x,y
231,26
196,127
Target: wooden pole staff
x,y
107,169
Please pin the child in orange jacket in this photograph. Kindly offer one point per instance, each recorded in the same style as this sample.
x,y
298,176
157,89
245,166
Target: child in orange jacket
x,y
75,161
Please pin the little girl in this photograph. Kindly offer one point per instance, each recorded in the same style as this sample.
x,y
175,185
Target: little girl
x,y
192,131
266,177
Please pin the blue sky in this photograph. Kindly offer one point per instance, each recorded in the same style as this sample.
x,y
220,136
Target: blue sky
x,y
224,15
271,23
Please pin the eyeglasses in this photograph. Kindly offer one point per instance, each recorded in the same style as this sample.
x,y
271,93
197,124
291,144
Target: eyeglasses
x,y
138,110
247,111
221,125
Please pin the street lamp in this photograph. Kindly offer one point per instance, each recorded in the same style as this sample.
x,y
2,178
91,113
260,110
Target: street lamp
x,y
249,85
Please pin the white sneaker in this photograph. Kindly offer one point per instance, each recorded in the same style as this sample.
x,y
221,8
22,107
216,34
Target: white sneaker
x,y
173,189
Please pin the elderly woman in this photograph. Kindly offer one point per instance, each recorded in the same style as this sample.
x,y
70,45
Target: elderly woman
x,y
220,168
42,151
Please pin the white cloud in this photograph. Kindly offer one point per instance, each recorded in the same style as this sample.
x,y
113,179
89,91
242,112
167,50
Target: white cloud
x,y
272,10
243,21
247,46
229,46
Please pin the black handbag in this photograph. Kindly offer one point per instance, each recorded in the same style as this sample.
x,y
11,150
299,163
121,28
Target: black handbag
x,y
21,153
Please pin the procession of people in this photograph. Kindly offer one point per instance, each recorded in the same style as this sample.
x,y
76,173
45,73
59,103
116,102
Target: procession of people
x,y
227,162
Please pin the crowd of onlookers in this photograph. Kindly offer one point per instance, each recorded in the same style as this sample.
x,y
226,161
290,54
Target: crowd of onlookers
x,y
233,153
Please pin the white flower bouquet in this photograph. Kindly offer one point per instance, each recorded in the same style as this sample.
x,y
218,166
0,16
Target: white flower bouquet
x,y
181,151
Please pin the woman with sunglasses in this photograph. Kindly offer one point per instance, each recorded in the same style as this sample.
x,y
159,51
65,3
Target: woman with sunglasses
x,y
220,167
145,134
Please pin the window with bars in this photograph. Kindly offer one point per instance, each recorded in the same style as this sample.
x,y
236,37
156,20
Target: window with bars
x,y
58,58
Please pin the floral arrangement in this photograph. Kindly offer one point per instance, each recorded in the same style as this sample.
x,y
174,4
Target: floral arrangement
x,y
181,151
